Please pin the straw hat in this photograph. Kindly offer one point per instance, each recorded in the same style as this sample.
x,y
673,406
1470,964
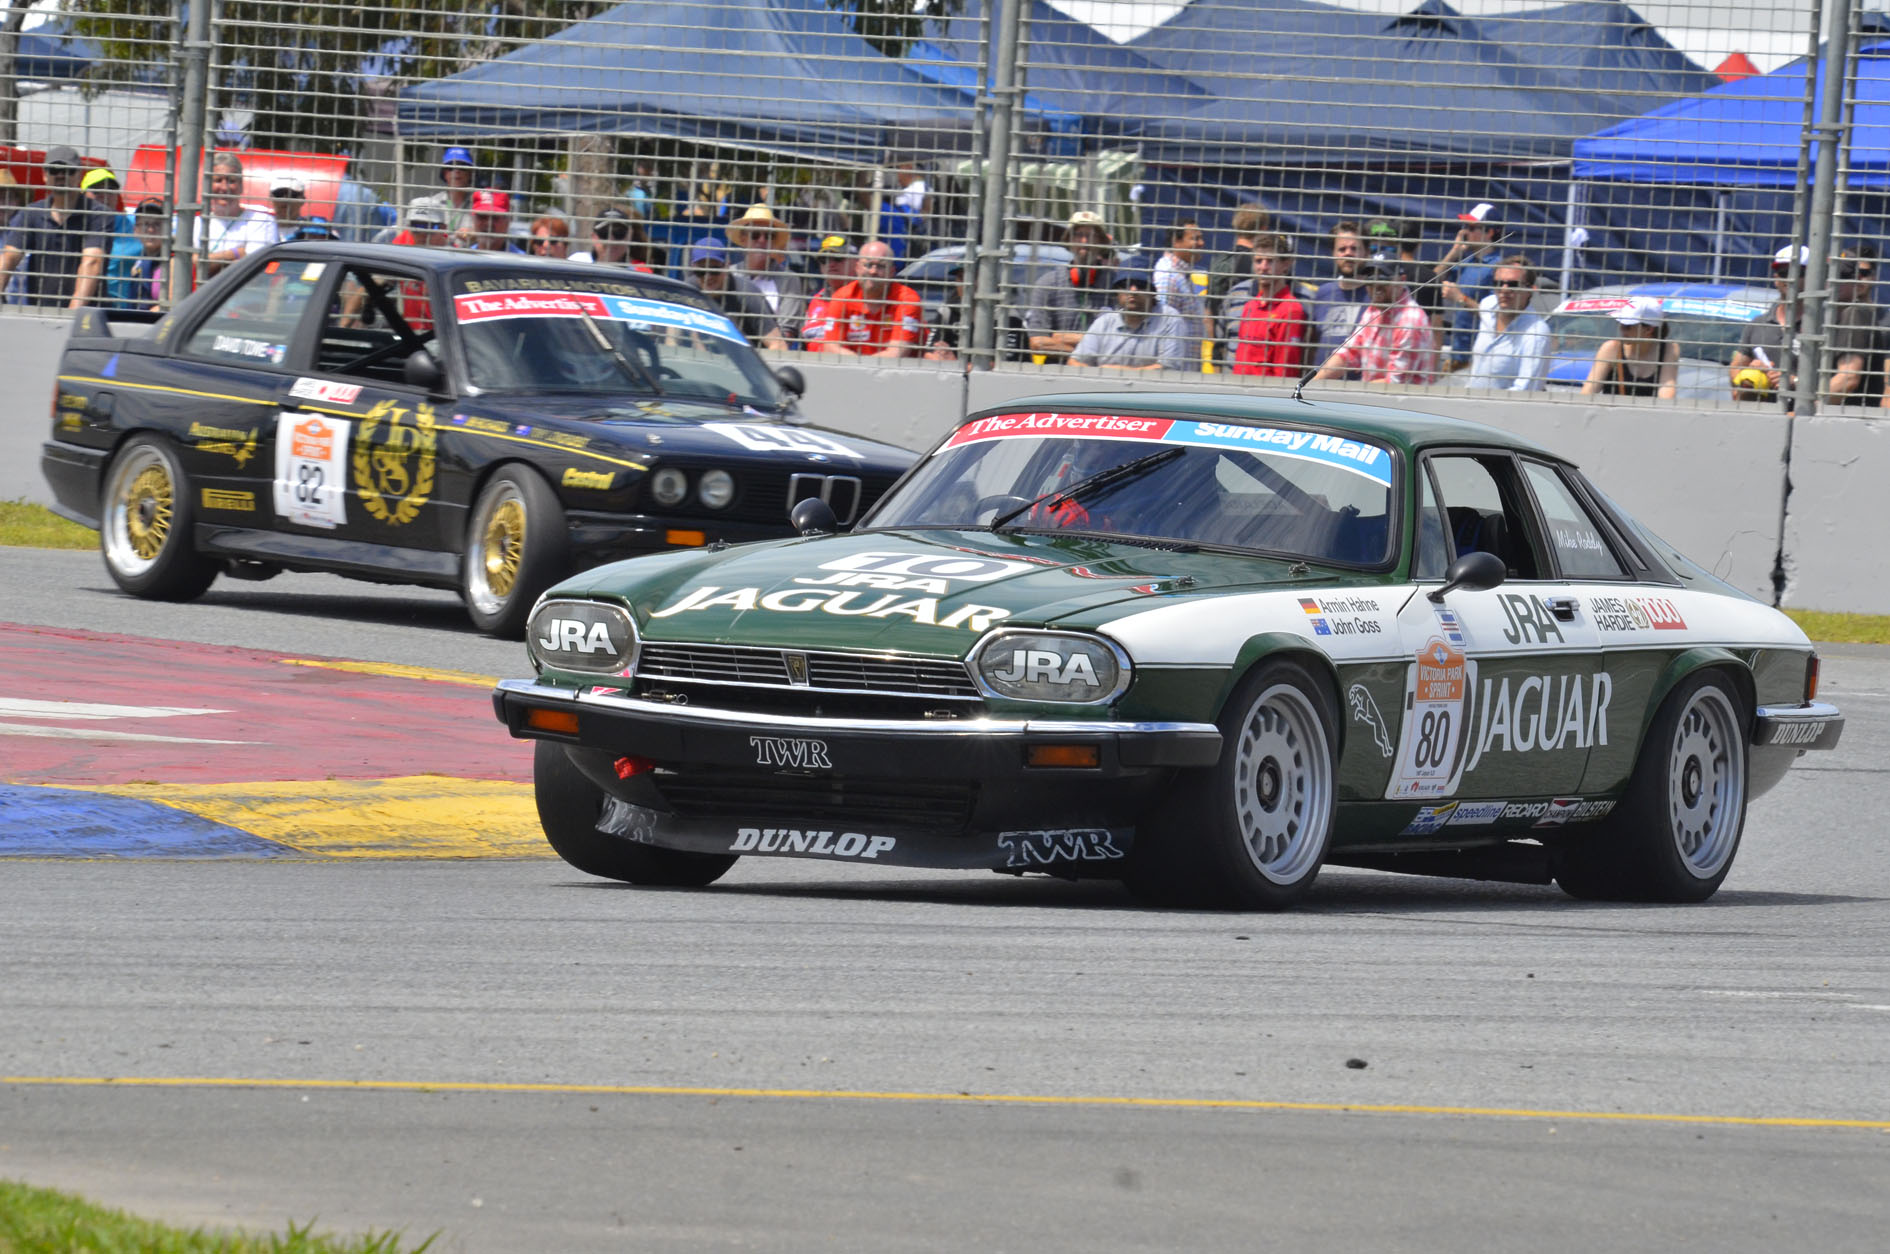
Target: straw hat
x,y
758,216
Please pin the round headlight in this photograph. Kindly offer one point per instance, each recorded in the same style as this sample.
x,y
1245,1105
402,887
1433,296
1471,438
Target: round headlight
x,y
1051,666
717,489
669,486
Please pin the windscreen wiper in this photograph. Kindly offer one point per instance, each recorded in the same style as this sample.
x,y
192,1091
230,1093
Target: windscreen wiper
x,y
633,370
1102,478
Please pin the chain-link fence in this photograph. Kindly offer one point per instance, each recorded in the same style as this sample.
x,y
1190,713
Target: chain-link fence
x,y
1581,197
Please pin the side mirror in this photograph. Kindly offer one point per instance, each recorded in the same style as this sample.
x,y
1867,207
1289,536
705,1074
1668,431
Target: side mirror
x,y
1474,572
423,371
813,517
790,378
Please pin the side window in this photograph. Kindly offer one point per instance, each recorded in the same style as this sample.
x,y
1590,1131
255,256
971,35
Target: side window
x,y
374,322
1485,510
1581,550
1433,555
256,323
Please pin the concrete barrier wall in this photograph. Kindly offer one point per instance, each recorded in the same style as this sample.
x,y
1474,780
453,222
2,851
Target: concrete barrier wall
x,y
1709,481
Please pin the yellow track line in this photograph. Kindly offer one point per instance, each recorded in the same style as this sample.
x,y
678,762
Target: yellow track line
x,y
1019,1099
395,670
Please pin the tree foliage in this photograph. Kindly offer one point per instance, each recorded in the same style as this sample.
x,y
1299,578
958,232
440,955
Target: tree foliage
x,y
892,26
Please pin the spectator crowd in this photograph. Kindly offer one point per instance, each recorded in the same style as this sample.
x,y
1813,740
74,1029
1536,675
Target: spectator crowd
x,y
799,276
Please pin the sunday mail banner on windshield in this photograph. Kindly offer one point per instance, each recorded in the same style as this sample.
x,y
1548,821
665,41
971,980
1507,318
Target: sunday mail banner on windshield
x,y
1360,458
491,306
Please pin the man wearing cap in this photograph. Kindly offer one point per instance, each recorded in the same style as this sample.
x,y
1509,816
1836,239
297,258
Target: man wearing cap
x,y
123,250
230,230
456,172
1393,342
489,223
1174,279
611,237
763,241
1066,299
1335,305
1771,344
1472,255
1140,333
64,235
873,316
426,223
1511,351
835,260
286,193
733,295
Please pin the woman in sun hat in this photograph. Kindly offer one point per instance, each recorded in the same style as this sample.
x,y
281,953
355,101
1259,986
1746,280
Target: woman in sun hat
x,y
1644,360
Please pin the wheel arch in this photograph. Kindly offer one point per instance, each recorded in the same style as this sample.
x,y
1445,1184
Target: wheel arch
x,y
1693,662
484,473
1277,646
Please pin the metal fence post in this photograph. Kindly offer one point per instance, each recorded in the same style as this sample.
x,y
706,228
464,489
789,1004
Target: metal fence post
x,y
191,132
997,185
1828,133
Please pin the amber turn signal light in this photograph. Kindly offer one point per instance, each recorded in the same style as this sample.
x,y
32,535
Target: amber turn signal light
x,y
688,539
1063,755
564,722
1811,680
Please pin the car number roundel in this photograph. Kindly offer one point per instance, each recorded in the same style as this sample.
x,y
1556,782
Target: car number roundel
x,y
1437,694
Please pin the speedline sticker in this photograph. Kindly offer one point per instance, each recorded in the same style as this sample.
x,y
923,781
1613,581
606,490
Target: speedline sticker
x,y
1370,460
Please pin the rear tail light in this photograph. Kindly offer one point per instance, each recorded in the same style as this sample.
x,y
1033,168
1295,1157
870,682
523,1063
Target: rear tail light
x,y
1811,680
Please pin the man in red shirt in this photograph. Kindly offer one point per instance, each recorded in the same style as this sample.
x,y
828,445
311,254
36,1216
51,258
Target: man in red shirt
x,y
874,316
1272,336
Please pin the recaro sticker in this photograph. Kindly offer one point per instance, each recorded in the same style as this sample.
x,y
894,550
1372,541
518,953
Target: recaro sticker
x,y
1369,460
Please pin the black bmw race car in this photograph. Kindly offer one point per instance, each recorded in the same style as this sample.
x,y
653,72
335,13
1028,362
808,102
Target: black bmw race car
x,y
466,420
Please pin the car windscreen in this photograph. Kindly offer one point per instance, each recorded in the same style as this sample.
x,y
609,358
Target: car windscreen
x,y
1302,494
1701,338
556,338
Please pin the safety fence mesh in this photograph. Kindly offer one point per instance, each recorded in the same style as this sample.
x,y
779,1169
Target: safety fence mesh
x,y
1579,197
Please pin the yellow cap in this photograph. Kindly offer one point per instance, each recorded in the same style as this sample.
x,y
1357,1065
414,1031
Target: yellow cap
x,y
1753,379
94,177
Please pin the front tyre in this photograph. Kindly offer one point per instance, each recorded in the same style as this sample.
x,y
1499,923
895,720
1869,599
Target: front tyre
x,y
1673,837
145,525
570,807
1252,831
516,547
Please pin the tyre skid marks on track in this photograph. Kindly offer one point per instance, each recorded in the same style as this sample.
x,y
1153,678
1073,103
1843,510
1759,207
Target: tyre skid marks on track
x,y
1009,1099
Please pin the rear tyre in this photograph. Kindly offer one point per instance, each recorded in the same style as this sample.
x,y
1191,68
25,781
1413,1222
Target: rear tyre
x,y
146,524
1252,831
1674,835
516,547
569,808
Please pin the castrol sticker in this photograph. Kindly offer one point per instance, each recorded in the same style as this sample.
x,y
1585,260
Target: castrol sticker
x,y
1436,710
311,456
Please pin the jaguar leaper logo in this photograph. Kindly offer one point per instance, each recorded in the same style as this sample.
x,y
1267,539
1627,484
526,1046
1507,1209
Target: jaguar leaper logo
x,y
393,462
1365,710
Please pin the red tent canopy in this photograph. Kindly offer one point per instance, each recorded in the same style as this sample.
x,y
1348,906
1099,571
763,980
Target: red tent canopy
x,y
1736,67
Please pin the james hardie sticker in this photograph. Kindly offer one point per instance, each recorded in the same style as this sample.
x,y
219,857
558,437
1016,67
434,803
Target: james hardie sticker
x,y
1436,709
311,452
393,462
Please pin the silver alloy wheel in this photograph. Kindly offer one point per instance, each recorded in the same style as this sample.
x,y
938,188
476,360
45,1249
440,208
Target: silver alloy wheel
x,y
1283,785
139,503
496,547
1706,782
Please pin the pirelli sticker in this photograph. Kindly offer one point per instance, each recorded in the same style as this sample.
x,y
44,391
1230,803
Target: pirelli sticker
x,y
238,502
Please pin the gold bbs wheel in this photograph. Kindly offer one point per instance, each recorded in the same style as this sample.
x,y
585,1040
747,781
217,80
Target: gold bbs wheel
x,y
516,544
145,525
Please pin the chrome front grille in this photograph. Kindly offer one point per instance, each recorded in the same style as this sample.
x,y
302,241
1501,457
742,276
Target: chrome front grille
x,y
812,670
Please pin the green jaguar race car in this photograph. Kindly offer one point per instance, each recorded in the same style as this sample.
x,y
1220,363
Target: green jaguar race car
x,y
1203,644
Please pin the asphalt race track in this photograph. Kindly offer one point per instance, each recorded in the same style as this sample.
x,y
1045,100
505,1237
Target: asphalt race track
x,y
433,1032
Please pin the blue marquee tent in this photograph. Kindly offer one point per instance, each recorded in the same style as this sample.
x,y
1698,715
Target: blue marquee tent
x,y
786,76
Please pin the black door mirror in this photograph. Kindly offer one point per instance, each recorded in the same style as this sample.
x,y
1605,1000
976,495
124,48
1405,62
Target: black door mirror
x,y
790,378
813,517
1473,572
423,371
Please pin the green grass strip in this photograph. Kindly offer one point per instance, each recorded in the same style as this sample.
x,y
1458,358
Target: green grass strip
x,y
42,1221
1832,628
24,525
